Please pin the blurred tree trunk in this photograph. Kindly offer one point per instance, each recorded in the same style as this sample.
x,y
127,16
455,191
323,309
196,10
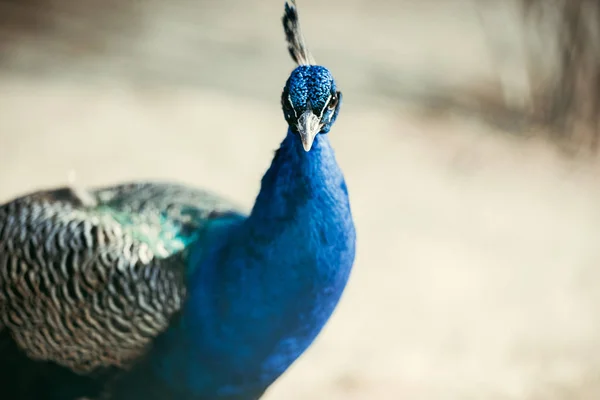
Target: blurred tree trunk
x,y
568,100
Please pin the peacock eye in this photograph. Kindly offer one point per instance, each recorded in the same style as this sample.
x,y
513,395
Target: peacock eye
x,y
333,101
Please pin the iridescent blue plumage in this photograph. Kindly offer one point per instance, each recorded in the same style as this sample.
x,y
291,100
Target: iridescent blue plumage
x,y
311,87
264,290
238,298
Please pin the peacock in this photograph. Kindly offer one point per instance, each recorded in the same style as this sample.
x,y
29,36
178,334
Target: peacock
x,y
157,290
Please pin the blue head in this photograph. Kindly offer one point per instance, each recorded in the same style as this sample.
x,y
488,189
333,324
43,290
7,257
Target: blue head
x,y
310,99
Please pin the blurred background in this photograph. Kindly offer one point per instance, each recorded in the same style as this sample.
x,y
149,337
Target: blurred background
x,y
468,137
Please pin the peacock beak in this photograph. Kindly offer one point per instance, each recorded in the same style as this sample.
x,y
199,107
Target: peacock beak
x,y
309,126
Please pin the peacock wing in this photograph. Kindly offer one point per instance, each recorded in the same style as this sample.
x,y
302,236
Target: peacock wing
x,y
89,278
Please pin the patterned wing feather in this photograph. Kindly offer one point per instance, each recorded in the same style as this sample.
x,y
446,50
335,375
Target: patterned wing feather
x,y
90,287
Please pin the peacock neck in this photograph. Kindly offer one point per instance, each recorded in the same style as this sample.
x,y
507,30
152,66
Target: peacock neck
x,y
297,184
261,296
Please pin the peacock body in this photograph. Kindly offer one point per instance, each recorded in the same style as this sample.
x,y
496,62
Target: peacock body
x,y
162,291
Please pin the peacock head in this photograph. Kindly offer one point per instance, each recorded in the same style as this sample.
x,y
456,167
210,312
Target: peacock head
x,y
310,99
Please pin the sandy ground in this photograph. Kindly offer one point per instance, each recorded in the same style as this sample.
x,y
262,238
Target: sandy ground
x,y
477,271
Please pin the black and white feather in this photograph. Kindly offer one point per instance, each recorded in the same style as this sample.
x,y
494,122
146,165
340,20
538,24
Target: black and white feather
x,y
293,35
89,288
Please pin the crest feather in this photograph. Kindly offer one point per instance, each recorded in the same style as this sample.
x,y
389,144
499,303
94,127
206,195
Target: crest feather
x,y
293,35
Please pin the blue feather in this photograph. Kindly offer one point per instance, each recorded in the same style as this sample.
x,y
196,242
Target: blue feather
x,y
268,284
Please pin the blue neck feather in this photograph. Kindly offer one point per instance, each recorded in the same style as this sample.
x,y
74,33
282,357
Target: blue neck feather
x,y
263,287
